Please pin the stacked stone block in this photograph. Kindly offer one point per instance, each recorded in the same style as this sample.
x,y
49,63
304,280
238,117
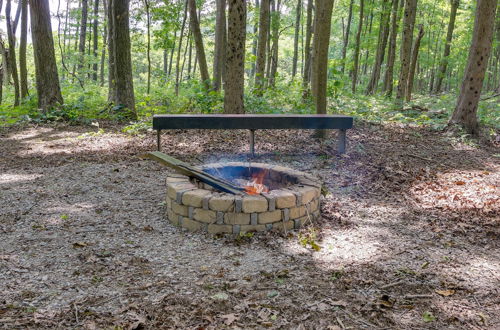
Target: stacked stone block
x,y
198,207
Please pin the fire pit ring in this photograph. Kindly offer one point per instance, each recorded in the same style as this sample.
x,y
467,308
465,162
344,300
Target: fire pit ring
x,y
293,199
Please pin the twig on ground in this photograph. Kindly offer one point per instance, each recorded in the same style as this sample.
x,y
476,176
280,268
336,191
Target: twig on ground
x,y
339,321
390,285
371,325
410,296
76,313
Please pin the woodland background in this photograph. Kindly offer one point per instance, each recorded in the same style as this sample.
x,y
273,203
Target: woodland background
x,y
363,67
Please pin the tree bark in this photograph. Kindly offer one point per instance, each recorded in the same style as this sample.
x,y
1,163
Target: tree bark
x,y
47,79
413,65
95,39
391,54
219,50
307,51
235,59
410,12
275,24
172,50
12,52
111,55
356,49
381,45
105,42
346,36
465,113
320,55
447,45
255,35
178,59
295,58
83,36
198,42
123,66
23,70
148,44
262,47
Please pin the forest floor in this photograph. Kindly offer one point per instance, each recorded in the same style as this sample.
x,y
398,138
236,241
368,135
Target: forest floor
x,y
409,238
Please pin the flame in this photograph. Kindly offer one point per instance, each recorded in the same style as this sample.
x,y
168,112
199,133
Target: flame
x,y
255,186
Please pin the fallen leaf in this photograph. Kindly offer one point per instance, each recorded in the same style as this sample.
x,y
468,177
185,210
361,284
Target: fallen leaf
x,y
229,318
445,293
428,317
273,294
79,244
220,296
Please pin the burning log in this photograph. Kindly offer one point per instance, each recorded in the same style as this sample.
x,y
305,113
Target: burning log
x,y
186,169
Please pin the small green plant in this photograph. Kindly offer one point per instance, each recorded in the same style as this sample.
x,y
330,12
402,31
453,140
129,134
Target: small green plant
x,y
308,239
428,317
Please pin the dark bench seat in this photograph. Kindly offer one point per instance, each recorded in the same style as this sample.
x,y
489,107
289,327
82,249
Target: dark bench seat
x,y
254,122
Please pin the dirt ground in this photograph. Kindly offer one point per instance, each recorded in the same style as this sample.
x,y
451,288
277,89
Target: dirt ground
x,y
409,238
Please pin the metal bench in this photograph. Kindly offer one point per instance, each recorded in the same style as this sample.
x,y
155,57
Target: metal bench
x,y
254,122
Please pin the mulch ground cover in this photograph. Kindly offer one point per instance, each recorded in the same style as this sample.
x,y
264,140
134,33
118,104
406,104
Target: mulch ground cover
x,y
409,236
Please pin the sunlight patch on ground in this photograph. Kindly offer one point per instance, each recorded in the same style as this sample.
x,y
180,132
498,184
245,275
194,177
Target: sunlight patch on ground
x,y
459,190
477,270
61,215
31,133
17,178
348,247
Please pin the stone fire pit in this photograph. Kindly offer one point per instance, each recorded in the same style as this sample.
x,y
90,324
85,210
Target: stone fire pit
x,y
293,199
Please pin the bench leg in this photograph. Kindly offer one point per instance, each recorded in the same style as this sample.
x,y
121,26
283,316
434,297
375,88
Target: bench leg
x,y
251,138
342,141
158,140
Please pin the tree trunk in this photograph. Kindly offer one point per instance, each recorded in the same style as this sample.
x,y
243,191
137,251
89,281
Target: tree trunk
x,y
275,24
16,19
77,34
23,70
296,38
391,53
262,47
356,49
320,55
220,31
111,55
47,80
12,53
307,51
413,65
148,45
465,113
165,61
186,49
105,42
447,45
178,59
346,36
1,82
235,59
66,18
410,12
83,36
190,55
198,41
95,39
123,64
172,50
382,43
254,41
